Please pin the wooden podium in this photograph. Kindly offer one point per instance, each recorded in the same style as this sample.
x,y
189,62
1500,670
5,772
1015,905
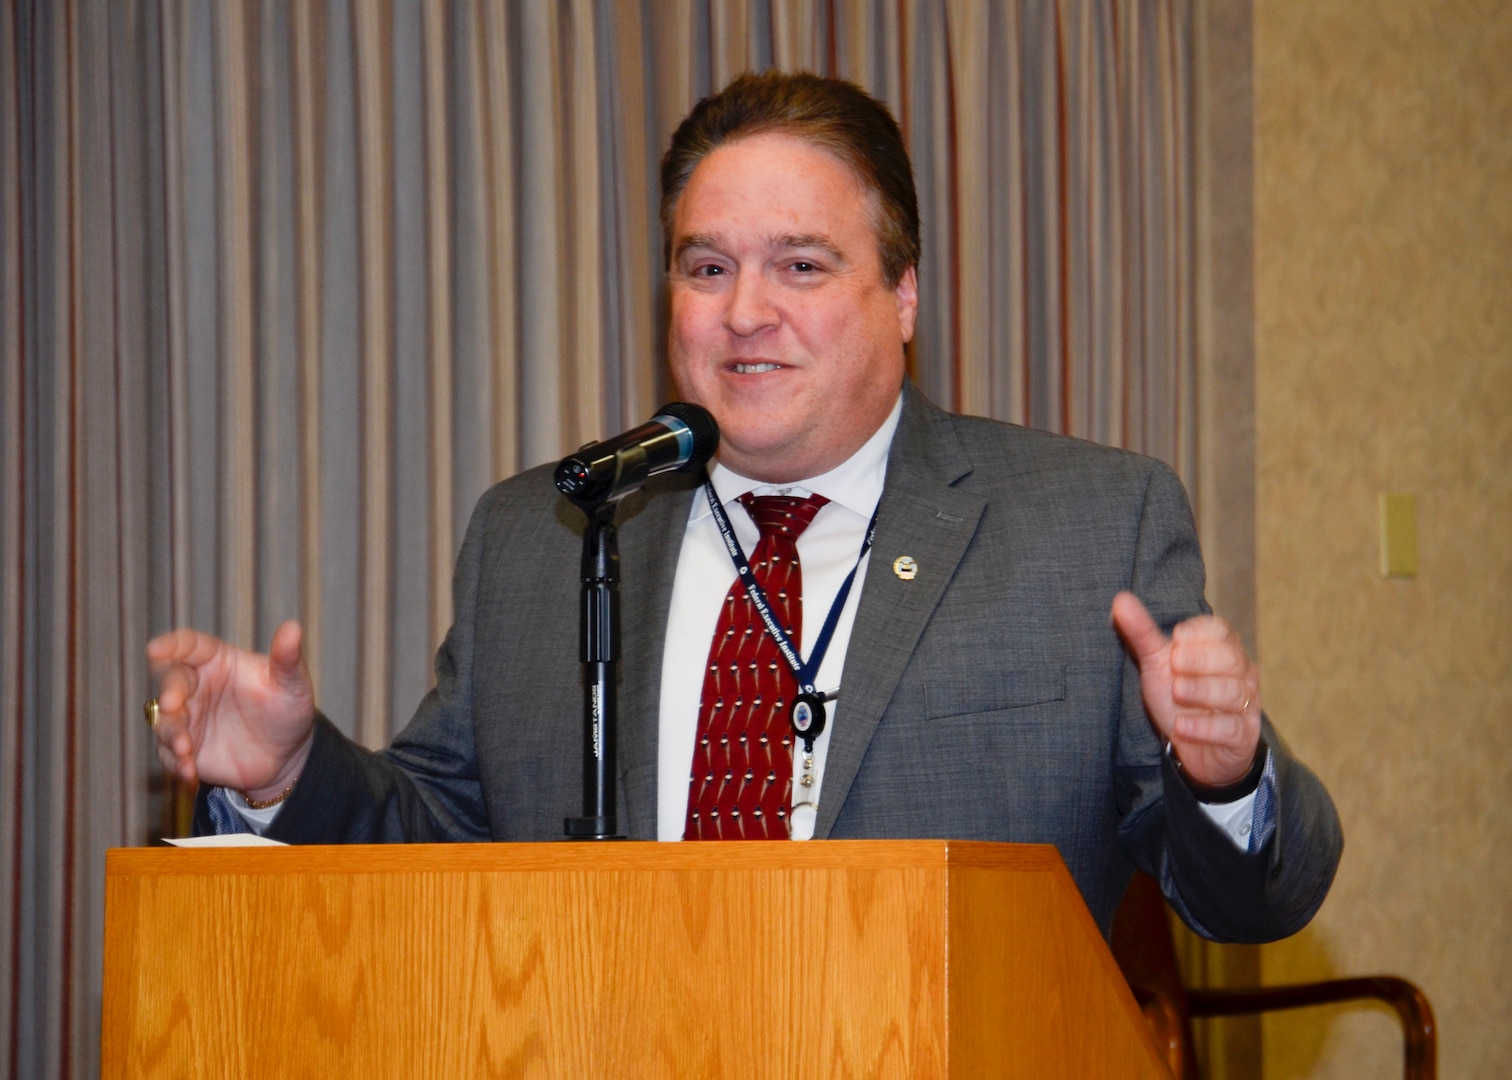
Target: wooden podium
x,y
619,960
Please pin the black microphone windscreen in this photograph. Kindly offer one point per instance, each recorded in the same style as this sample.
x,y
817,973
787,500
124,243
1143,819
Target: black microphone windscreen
x,y
703,427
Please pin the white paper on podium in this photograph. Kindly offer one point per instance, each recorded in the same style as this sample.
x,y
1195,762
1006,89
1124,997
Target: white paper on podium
x,y
244,839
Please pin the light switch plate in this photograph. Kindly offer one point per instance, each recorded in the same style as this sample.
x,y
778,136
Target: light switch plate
x,y
1399,549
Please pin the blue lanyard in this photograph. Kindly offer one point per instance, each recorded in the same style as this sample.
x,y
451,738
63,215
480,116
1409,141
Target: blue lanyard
x,y
805,672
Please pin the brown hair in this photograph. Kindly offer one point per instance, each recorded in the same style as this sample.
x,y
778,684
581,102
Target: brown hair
x,y
833,115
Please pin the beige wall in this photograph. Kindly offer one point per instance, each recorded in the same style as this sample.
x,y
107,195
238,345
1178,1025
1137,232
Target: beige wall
x,y
1383,277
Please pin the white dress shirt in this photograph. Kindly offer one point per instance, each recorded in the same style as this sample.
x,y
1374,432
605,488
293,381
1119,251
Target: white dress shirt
x,y
827,549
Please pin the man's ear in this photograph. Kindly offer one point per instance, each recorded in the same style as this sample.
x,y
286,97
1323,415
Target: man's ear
x,y
907,292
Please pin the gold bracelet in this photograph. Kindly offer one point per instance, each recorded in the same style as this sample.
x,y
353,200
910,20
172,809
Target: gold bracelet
x,y
264,804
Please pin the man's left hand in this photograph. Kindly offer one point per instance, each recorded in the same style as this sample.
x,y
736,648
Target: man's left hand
x,y
1201,690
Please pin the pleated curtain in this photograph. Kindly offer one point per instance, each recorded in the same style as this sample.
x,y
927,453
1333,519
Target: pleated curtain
x,y
284,286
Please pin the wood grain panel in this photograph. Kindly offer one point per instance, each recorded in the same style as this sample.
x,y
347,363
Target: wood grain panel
x,y
604,960
1027,969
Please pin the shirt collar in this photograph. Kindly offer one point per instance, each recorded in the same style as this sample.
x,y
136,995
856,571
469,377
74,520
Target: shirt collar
x,y
856,483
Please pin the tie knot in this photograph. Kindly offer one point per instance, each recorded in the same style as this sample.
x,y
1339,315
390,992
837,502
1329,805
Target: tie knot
x,y
782,515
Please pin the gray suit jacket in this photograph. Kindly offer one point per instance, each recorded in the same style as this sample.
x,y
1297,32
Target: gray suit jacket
x,y
989,698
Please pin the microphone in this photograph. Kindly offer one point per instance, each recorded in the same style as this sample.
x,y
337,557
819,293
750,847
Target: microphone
x,y
681,437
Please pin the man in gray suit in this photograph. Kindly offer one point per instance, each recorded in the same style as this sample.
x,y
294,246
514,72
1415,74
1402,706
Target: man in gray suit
x,y
978,688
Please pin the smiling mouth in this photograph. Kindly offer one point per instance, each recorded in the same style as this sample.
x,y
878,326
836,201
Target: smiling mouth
x,y
755,369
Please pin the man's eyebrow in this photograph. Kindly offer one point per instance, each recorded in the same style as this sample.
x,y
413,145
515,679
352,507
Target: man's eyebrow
x,y
693,240
777,242
808,240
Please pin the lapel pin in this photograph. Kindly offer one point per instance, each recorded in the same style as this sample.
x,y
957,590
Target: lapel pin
x,y
905,567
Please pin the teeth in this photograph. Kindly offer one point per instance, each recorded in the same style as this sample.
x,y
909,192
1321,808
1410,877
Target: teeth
x,y
754,369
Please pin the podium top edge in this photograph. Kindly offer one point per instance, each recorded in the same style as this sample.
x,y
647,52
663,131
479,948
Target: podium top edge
x,y
585,856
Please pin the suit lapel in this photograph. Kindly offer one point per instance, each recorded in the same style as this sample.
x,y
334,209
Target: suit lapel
x,y
651,524
926,519
922,516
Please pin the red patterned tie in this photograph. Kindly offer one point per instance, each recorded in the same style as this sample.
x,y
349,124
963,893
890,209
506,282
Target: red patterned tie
x,y
742,779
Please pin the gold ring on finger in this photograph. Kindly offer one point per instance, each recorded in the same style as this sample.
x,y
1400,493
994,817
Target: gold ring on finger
x,y
154,714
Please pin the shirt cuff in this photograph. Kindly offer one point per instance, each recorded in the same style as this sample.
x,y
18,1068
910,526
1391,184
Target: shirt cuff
x,y
1249,821
224,801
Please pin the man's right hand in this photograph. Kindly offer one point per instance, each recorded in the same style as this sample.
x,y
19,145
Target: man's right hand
x,y
233,718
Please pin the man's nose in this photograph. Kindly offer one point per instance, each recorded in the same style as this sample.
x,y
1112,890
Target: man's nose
x,y
751,308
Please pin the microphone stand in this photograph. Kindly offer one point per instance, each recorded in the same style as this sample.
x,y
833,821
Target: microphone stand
x,y
599,650
679,437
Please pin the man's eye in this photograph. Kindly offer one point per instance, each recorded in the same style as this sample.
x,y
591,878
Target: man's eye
x,y
707,271
803,267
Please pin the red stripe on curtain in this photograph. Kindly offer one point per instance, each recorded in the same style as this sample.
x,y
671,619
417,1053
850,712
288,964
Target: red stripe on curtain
x,y
1175,361
1128,175
1026,287
22,463
1062,226
124,570
953,223
903,68
18,781
832,41
13,1054
1094,251
70,715
902,116
74,508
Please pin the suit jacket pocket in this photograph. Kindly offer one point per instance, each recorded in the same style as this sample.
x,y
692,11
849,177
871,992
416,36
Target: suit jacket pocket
x,y
958,693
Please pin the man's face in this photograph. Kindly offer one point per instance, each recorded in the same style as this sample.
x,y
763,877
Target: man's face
x,y
782,326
